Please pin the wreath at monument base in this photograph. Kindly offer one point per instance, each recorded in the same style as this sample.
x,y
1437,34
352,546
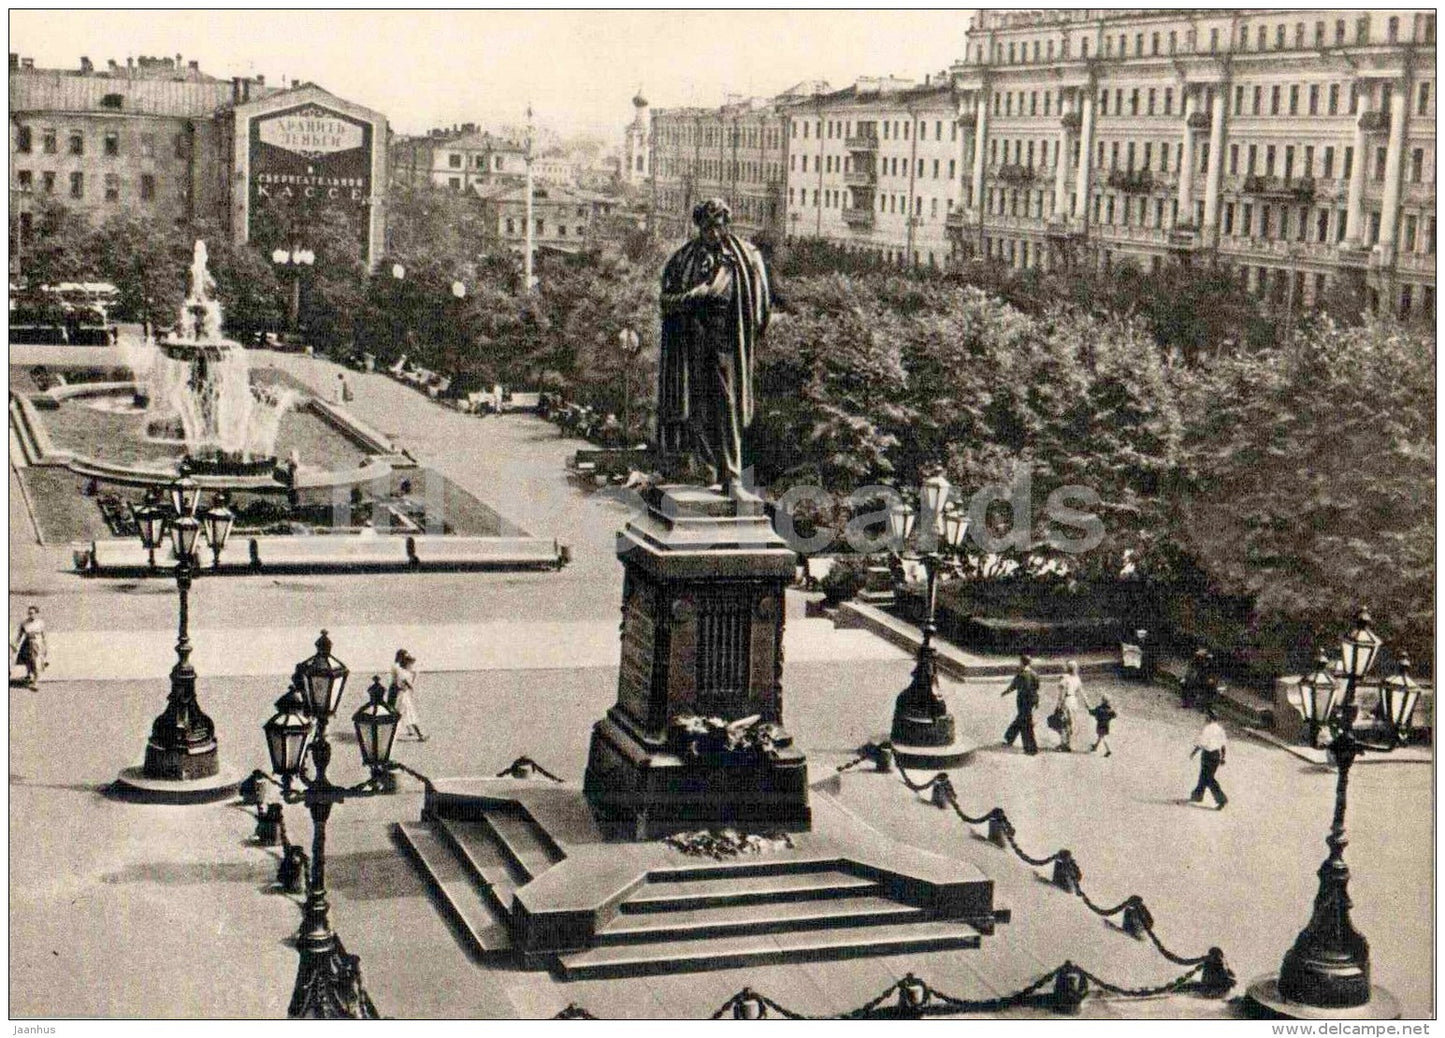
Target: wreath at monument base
x,y
711,738
720,844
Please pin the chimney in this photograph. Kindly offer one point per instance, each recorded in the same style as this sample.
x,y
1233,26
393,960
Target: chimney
x,y
260,80
130,64
27,62
178,61
245,88
235,90
110,64
86,68
194,66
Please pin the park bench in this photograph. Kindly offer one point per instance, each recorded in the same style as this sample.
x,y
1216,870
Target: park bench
x,y
611,461
436,552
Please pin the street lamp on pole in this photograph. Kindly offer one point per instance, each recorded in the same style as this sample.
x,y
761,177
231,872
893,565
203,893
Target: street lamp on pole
x,y
328,978
923,732
294,260
1327,971
631,343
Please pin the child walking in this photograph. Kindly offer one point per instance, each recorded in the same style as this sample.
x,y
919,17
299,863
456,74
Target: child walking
x,y
1103,714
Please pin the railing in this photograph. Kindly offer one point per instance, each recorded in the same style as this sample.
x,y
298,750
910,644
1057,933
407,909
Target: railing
x,y
1375,121
1014,174
860,178
1155,235
1131,181
859,217
861,143
1301,188
1416,263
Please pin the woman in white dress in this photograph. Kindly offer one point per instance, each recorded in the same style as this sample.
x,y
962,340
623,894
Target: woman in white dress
x,y
403,692
1071,695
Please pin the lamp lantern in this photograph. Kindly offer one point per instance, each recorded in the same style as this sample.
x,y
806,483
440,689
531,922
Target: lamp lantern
x,y
376,725
218,520
185,496
955,528
323,679
1359,648
1399,695
1318,693
287,734
934,492
901,520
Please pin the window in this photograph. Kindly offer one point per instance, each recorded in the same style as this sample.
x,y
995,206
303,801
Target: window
x,y
77,185
1393,30
1322,226
1340,32
1229,218
1288,161
1258,99
1084,48
1148,155
1299,35
1422,107
24,180
1319,34
1309,167
511,226
1150,105
1294,100
1213,40
148,145
1408,240
1417,165
1379,163
112,187
23,140
455,182
180,146
77,143
1203,156
1274,93
1334,99
1279,37
1164,158
1314,99
1130,159
1173,42
1269,160
1034,103
541,227
1347,169
1168,100
112,143
1134,101
1154,44
1263,37
1103,102
1253,156
1246,220
47,182
1362,29
1239,100
1233,160
951,167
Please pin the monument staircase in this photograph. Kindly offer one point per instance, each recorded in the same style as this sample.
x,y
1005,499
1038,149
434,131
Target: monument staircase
x,y
525,877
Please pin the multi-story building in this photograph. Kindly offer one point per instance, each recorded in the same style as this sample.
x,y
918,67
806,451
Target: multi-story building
x,y
737,152
158,138
461,158
875,168
1298,146
563,219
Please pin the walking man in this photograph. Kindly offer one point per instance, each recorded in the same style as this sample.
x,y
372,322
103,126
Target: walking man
x,y
1210,746
1025,687
31,652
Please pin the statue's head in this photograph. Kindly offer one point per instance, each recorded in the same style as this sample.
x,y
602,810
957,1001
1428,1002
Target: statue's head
x,y
711,217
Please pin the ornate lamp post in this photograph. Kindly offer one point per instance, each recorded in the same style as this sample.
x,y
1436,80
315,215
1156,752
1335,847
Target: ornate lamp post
x,y
1326,973
1318,693
328,978
216,523
181,756
923,733
294,260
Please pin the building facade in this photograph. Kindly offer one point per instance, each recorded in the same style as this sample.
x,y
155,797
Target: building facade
x,y
737,152
158,138
138,138
875,168
461,159
563,219
1298,146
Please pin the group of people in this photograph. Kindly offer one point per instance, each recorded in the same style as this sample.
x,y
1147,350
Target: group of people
x,y
1025,689
1209,746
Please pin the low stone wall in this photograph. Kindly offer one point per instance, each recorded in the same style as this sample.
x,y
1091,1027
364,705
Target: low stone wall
x,y
351,427
333,553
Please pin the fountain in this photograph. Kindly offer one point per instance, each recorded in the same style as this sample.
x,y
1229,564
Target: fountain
x,y
203,382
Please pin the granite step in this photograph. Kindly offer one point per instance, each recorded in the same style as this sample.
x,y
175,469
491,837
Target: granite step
x,y
670,896
523,842
710,953
478,919
727,920
476,846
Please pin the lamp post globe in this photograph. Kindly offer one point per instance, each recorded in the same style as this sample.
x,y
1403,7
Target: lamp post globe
x,y
1399,695
185,496
934,494
1318,693
376,725
217,522
288,734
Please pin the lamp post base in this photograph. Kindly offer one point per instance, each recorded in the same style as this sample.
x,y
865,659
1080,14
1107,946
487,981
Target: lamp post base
x,y
328,984
954,754
134,784
1264,995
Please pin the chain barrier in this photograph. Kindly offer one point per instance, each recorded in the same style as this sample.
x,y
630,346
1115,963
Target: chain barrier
x,y
523,767
1137,920
864,755
1063,990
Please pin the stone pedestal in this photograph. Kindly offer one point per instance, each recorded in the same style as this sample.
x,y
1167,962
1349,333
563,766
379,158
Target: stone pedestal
x,y
702,629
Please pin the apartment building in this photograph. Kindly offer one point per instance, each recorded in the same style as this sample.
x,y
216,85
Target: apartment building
x,y
461,158
1298,146
876,168
737,152
564,219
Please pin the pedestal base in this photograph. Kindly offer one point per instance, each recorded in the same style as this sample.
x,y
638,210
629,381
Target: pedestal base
x,y
951,755
1264,993
134,784
181,763
641,792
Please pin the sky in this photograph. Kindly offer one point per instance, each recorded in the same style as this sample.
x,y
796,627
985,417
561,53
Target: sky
x,y
579,69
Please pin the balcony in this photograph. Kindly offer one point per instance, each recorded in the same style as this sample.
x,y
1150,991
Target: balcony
x,y
1300,189
1184,236
1416,263
1199,121
860,178
861,144
1071,121
1014,174
1131,181
859,218
1376,121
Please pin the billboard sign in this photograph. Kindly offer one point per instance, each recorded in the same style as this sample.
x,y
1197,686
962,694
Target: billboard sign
x,y
308,163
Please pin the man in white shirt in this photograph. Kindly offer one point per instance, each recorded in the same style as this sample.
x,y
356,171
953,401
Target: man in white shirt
x,y
1210,745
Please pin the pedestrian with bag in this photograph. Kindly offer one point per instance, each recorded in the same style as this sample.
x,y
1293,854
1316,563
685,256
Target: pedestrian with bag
x,y
1025,686
1071,694
31,651
1210,745
402,693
